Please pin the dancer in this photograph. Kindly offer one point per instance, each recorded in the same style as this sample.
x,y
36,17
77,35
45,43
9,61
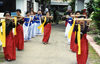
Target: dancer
x,y
10,49
47,28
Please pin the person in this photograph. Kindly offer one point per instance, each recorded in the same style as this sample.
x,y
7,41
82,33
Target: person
x,y
73,44
10,49
33,24
27,27
68,27
47,28
69,8
83,55
19,38
38,21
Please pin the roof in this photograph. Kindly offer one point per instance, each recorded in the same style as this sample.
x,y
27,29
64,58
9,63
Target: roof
x,y
59,3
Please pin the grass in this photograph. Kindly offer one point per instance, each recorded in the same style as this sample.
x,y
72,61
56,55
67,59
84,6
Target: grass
x,y
1,55
94,58
97,39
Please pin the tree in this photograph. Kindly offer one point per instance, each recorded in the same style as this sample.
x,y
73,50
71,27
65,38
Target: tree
x,y
96,14
90,7
72,3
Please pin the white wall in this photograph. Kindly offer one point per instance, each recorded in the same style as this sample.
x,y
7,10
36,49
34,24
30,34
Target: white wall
x,y
1,14
36,6
85,1
22,4
79,5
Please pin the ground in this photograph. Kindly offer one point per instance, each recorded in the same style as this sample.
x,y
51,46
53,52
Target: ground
x,y
56,52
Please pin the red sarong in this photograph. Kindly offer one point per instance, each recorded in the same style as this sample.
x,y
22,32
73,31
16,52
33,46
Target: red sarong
x,y
73,44
10,49
66,24
19,38
47,32
82,59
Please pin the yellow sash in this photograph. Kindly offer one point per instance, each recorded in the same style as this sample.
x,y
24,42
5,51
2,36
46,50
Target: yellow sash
x,y
42,25
71,30
3,35
15,19
79,39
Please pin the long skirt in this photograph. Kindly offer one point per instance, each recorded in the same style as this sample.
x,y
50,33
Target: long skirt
x,y
47,32
34,30
73,44
38,31
19,38
30,32
10,49
82,59
68,27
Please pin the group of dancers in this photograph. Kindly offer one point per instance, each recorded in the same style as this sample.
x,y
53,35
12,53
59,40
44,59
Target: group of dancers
x,y
15,30
76,33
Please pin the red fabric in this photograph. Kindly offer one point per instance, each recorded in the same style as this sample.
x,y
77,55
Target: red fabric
x,y
19,38
73,44
66,24
82,59
10,49
47,32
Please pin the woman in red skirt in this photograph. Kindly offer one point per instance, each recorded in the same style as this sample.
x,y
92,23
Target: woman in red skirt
x,y
47,28
82,58
19,38
10,49
73,44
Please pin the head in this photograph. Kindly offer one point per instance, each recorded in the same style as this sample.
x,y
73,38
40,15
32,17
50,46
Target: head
x,y
77,13
18,11
39,12
47,13
82,20
27,13
7,14
32,13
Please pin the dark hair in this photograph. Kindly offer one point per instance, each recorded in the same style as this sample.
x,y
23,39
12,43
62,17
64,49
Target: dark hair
x,y
27,12
77,12
81,17
18,10
68,13
6,13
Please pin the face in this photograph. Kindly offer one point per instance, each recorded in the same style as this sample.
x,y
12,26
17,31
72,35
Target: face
x,y
32,13
28,14
39,12
47,14
77,13
7,15
18,13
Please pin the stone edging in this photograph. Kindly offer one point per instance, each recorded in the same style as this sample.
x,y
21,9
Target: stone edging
x,y
93,44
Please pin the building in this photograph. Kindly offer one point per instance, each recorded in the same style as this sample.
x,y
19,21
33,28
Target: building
x,y
59,5
12,5
80,4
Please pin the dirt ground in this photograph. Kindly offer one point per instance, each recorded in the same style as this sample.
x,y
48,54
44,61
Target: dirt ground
x,y
56,52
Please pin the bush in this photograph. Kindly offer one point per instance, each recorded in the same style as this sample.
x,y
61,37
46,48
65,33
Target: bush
x,y
97,39
96,14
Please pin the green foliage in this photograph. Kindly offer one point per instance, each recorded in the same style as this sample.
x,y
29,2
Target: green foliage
x,y
72,3
96,14
90,7
97,39
93,56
